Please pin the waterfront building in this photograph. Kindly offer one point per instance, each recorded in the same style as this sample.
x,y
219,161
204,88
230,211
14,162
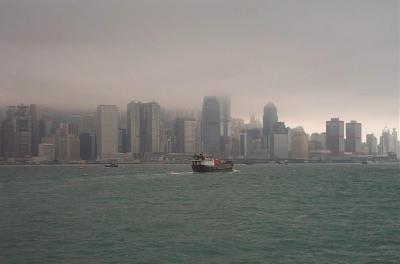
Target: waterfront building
x,y
143,128
280,141
385,142
270,117
87,123
185,135
133,127
372,144
47,152
106,130
150,128
35,131
67,148
74,123
353,137
335,136
299,144
211,128
225,123
20,132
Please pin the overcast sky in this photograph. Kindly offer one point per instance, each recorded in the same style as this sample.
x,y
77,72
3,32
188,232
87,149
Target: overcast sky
x,y
313,59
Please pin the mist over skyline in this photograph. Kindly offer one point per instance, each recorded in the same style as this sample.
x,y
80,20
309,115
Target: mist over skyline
x,y
313,59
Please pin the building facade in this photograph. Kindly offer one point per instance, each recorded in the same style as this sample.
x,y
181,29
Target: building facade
x,y
211,127
353,137
335,136
107,131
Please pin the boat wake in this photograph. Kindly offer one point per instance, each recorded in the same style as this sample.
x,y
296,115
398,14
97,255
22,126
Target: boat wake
x,y
181,173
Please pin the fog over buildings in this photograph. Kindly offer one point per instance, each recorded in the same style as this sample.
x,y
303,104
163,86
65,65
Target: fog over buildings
x,y
313,59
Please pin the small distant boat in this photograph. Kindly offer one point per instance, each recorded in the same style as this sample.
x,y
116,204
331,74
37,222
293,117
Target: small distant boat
x,y
203,163
111,165
365,162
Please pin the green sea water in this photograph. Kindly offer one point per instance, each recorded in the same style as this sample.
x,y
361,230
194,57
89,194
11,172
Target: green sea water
x,y
166,214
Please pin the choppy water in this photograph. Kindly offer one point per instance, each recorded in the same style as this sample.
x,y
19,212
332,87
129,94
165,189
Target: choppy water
x,y
166,214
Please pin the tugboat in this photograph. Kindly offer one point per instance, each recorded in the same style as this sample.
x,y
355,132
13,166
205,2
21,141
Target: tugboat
x,y
203,163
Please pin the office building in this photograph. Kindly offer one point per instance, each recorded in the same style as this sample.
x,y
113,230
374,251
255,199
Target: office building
x,y
335,136
211,127
106,131
150,128
185,135
299,144
133,125
372,144
47,152
353,137
280,141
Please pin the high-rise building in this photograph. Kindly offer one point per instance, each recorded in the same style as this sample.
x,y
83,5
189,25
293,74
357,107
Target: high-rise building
x,y
122,140
35,131
87,137
353,137
250,143
385,142
107,131
9,134
393,142
211,127
74,123
133,125
335,136
87,146
372,144
67,148
87,123
317,142
23,129
299,144
185,134
150,128
270,117
46,127
47,152
280,141
225,123
225,115
143,127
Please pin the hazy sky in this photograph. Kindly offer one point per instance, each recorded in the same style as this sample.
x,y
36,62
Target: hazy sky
x,y
313,59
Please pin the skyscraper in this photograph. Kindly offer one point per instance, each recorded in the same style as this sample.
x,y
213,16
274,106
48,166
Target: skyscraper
x,y
225,123
150,128
299,144
335,136
107,130
280,141
372,144
185,134
353,137
133,125
211,127
8,134
87,136
269,119
225,115
35,132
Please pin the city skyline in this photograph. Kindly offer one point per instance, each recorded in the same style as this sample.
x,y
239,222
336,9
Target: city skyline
x,y
322,60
